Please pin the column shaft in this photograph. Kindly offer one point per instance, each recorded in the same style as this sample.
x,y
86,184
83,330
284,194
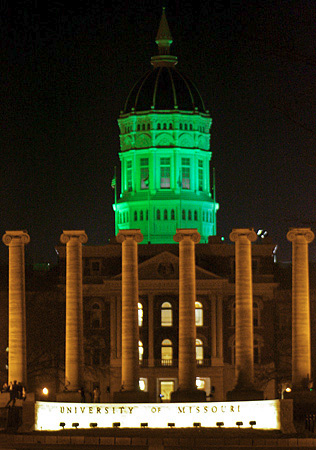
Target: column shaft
x,y
187,296
130,330
301,347
17,370
244,305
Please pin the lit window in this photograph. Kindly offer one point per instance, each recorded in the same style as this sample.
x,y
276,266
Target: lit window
x,y
144,173
165,173
140,351
185,170
129,176
166,314
200,383
198,314
166,353
199,352
140,314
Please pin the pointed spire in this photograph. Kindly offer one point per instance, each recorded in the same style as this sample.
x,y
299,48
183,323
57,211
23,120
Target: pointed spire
x,y
164,40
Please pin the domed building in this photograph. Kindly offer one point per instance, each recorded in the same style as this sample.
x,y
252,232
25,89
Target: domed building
x,y
165,153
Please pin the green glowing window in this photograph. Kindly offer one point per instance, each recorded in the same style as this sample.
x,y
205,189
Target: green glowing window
x,y
148,126
170,126
144,126
200,175
185,169
181,126
135,216
183,214
165,173
129,175
165,215
144,173
164,126
172,215
138,127
158,214
185,126
195,215
158,126
146,214
191,128
189,214
141,215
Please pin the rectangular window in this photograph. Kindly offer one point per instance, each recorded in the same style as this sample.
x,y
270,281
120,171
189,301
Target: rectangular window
x,y
200,175
129,176
144,173
185,172
165,173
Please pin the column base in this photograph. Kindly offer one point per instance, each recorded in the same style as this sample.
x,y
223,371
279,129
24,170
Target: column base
x,y
304,402
131,397
182,396
68,397
244,393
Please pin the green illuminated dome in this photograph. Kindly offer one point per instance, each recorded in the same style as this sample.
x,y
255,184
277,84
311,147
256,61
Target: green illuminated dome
x,y
165,153
164,88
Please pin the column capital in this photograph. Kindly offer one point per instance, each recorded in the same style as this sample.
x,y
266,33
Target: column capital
x,y
296,233
16,237
238,233
124,235
187,233
73,234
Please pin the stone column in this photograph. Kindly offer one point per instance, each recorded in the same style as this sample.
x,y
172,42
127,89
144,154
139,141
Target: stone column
x,y
16,240
74,309
301,346
244,304
130,331
187,239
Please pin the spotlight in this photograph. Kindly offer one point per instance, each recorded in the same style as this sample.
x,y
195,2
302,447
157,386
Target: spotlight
x,y
252,423
197,424
75,425
171,424
144,424
93,425
62,424
45,391
239,424
116,424
219,424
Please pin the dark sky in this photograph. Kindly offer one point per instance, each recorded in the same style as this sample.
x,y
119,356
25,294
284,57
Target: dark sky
x,y
65,74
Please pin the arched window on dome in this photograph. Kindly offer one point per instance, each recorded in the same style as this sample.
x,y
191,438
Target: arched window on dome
x,y
166,314
172,215
164,126
158,214
138,127
203,214
170,126
165,215
199,351
191,128
146,214
140,314
148,126
198,314
165,165
195,215
185,126
166,352
144,126
135,216
183,214
158,126
140,352
189,214
141,215
181,126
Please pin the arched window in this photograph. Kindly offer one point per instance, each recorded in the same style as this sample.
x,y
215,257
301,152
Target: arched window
x,y
138,127
185,126
199,352
140,351
165,215
141,215
170,126
183,214
166,353
144,126
95,316
195,215
181,126
159,126
189,214
198,314
172,215
256,314
257,346
135,216
203,216
146,214
191,127
164,126
158,214
148,126
140,314
166,314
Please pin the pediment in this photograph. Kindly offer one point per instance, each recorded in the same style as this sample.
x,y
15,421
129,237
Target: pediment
x,y
166,266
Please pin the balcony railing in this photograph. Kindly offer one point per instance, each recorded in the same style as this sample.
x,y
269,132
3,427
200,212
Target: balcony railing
x,y
174,363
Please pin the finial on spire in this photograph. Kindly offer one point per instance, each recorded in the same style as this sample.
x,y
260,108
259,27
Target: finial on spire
x,y
164,40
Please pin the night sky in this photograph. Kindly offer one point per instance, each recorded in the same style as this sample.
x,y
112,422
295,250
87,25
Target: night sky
x,y
67,70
